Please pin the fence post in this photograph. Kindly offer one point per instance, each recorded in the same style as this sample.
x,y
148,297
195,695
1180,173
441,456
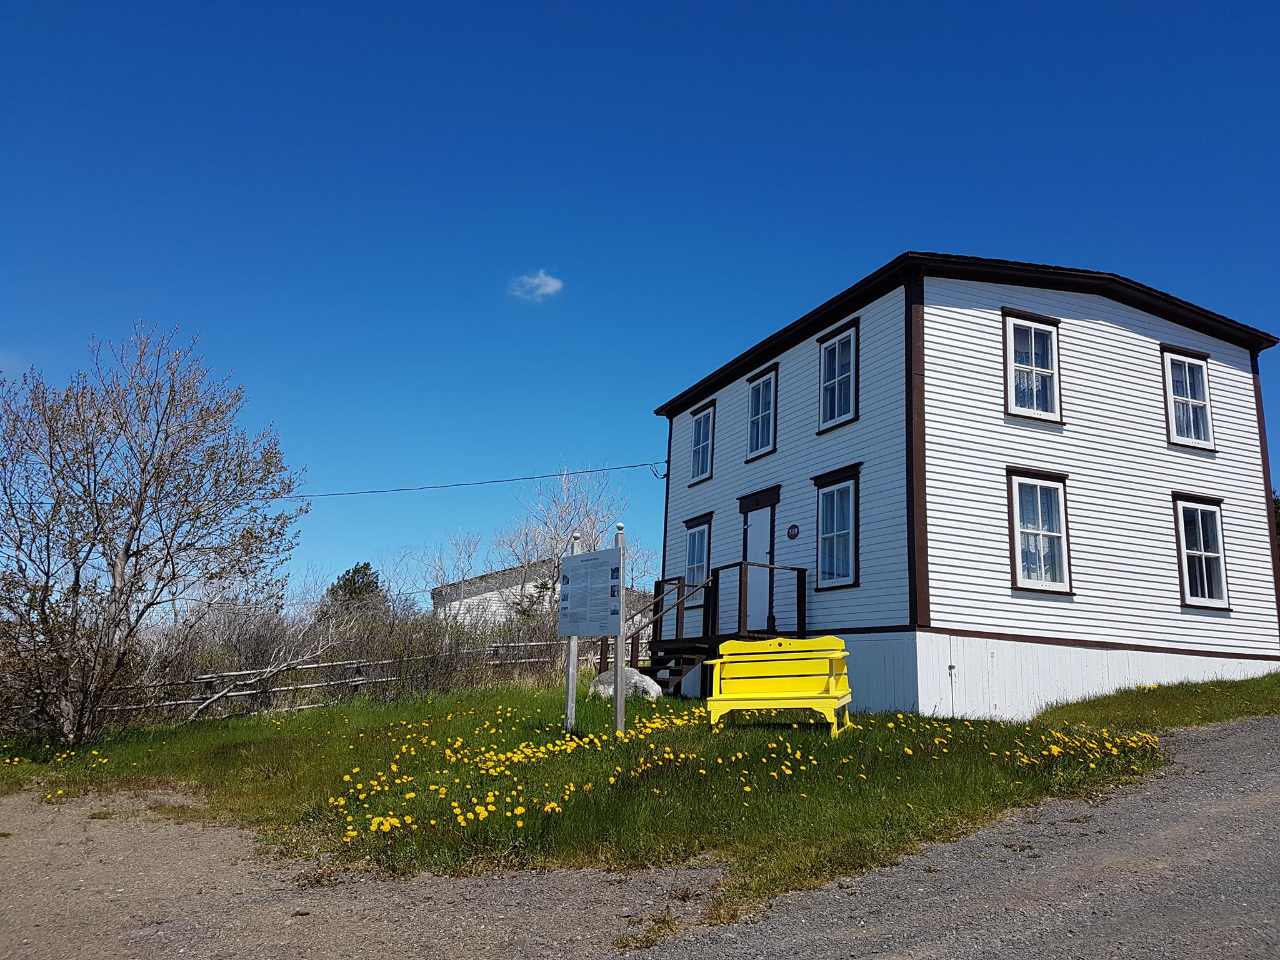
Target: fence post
x,y
619,668
571,666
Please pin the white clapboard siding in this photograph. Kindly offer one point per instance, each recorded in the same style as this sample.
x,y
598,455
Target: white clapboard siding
x,y
877,440
1124,560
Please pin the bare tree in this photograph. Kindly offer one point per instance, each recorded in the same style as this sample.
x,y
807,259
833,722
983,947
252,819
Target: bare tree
x,y
127,499
556,509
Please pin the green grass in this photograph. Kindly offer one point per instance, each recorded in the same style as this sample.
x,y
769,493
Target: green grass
x,y
1161,708
774,798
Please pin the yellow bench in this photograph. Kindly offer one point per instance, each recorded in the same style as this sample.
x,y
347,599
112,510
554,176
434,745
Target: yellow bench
x,y
781,674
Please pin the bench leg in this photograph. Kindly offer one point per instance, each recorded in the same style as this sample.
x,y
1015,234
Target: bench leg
x,y
830,714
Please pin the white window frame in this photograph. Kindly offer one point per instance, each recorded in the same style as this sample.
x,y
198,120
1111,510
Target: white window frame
x,y
1171,401
708,443
833,490
767,417
1187,555
1011,367
833,344
691,533
1020,528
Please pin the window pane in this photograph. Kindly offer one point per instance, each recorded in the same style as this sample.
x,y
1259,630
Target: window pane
x,y
755,443
755,400
1028,512
828,512
828,363
1024,390
843,569
1044,392
1195,577
1195,381
1050,520
828,402
1022,345
827,561
845,348
845,404
1055,568
1213,579
1199,422
1031,556
1178,370
843,519
1182,419
1191,528
766,396
1044,349
1209,529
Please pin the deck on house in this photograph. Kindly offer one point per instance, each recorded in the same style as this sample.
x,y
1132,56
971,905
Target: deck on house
x,y
675,652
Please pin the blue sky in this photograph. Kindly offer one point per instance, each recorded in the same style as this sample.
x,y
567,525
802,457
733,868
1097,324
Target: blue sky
x,y
338,197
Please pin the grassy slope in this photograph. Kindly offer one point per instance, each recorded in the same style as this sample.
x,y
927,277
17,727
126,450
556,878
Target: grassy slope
x,y
785,806
1157,709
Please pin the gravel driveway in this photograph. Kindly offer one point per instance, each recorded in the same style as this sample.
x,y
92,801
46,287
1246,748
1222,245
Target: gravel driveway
x,y
1185,865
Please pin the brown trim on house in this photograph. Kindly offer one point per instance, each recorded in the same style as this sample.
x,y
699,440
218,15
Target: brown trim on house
x,y
883,280
768,497
1018,473
1101,644
1183,351
1006,314
854,326
773,427
839,475
916,485
1196,500
701,520
1173,439
833,478
711,451
666,497
838,330
1267,489
862,628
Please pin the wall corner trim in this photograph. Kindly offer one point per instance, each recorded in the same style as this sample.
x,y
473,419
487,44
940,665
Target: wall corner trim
x,y
917,508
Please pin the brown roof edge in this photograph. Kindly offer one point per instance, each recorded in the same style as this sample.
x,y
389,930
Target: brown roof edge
x,y
951,266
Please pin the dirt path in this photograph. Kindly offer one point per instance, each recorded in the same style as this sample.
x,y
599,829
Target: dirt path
x,y
1188,864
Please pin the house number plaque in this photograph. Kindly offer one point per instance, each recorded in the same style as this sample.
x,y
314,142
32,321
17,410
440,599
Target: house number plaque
x,y
793,531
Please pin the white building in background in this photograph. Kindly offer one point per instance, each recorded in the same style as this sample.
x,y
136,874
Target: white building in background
x,y
1003,484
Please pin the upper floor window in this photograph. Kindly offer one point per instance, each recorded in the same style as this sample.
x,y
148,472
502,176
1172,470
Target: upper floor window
x,y
1204,571
1186,385
838,375
838,527
1038,505
1031,367
703,433
761,416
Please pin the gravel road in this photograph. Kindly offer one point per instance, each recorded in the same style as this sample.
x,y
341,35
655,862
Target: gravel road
x,y
1185,865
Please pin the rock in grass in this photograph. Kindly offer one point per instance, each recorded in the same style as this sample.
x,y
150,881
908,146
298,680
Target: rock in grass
x,y
633,682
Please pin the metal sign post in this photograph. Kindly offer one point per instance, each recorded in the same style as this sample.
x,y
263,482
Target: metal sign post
x,y
619,667
592,601
571,667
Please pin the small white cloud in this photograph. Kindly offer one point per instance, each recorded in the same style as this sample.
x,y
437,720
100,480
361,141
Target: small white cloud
x,y
535,286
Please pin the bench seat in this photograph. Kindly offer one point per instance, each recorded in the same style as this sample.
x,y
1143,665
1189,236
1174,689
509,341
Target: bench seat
x,y
781,674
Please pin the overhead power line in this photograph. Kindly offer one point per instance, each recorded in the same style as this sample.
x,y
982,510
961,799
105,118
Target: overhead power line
x,y
652,465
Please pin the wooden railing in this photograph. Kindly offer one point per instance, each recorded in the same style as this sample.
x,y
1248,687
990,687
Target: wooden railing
x,y
711,592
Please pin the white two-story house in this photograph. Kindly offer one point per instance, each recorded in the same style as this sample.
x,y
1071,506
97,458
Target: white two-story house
x,y
1002,484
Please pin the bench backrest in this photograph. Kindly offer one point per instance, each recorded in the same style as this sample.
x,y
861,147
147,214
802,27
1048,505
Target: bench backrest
x,y
781,666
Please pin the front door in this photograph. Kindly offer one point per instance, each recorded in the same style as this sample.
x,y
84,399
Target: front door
x,y
757,547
